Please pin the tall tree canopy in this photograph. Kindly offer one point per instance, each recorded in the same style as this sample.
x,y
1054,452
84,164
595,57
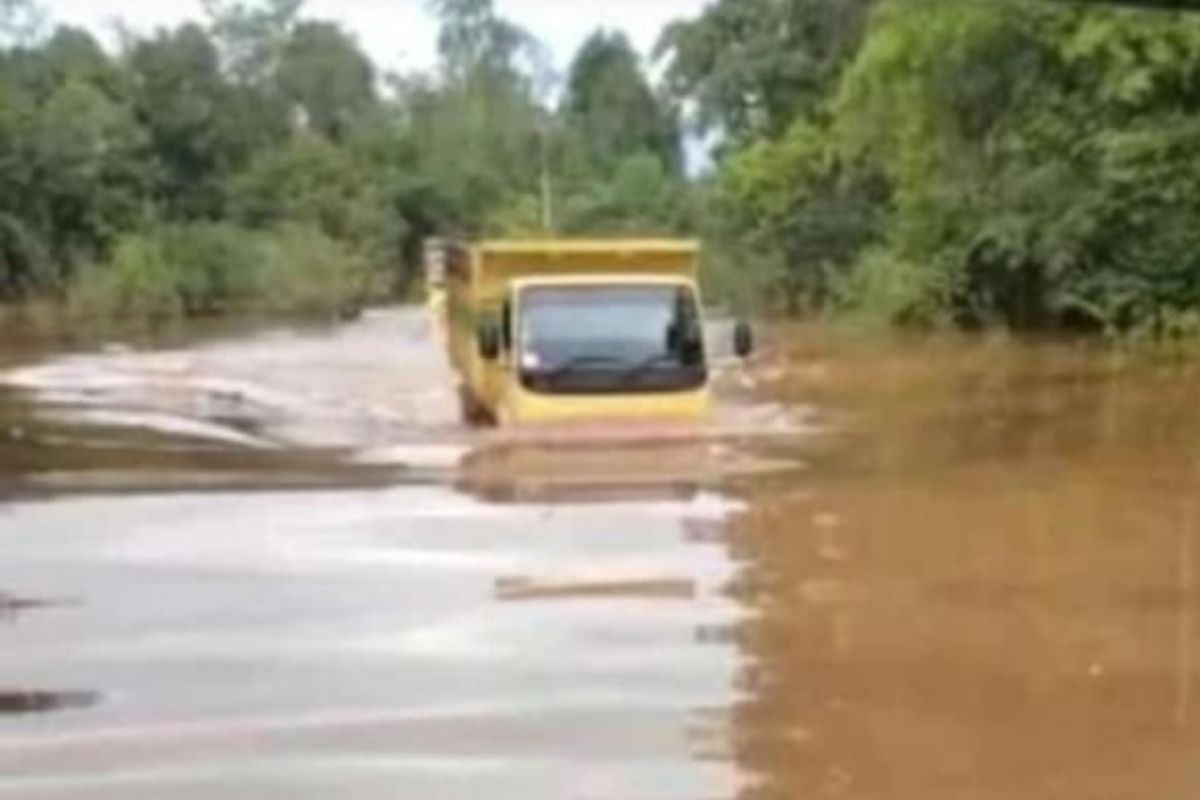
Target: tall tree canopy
x,y
475,40
323,72
187,110
1012,161
751,66
252,35
1017,162
610,106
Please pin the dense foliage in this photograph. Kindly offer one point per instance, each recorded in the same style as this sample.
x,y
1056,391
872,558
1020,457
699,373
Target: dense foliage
x,y
1016,162
259,160
1027,163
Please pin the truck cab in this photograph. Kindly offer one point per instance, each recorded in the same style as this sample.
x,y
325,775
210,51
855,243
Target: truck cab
x,y
561,332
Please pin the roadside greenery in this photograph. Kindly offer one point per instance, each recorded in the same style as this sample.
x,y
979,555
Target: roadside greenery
x,y
258,161
1018,163
1031,164
200,269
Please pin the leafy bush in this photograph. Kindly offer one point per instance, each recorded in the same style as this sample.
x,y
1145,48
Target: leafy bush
x,y
139,284
305,271
24,266
888,289
1009,162
189,270
251,161
215,266
742,280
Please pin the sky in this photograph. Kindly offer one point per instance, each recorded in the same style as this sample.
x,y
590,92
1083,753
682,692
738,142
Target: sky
x,y
400,34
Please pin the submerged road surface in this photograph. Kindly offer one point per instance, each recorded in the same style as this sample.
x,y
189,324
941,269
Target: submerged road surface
x,y
273,565
382,643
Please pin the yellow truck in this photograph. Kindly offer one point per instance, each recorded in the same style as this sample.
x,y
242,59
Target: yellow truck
x,y
571,331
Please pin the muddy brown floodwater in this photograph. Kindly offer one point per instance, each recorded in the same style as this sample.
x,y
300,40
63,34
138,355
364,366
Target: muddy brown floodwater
x,y
272,565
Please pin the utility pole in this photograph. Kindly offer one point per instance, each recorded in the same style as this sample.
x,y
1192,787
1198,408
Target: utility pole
x,y
546,182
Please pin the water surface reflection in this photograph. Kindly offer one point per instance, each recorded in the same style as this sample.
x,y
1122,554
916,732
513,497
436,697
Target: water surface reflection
x,y
979,582
985,588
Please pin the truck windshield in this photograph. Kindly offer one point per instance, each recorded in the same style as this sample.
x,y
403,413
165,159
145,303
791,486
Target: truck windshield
x,y
589,339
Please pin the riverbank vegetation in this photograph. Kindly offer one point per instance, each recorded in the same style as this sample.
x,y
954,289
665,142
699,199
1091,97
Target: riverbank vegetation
x,y
1017,163
1028,164
258,160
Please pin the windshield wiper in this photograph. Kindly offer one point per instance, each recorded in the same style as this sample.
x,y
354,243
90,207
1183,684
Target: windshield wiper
x,y
579,362
640,368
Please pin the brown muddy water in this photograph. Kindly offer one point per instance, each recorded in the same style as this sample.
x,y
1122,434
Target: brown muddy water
x,y
274,565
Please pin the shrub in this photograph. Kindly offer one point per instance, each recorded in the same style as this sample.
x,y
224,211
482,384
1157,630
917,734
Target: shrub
x,y
190,270
24,265
214,265
305,271
888,289
137,284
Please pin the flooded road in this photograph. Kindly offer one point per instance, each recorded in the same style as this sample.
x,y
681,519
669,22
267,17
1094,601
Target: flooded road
x,y
275,566
368,643
985,587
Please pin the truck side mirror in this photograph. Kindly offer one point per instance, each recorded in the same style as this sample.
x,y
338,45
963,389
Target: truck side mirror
x,y
743,340
488,339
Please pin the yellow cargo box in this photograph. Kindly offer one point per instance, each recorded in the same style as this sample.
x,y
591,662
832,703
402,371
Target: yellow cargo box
x,y
572,330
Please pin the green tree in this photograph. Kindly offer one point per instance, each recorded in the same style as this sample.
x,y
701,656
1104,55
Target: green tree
x,y
325,75
69,54
252,160
479,143
474,134
610,107
91,180
751,67
252,35
802,208
202,129
474,40
70,158
1012,162
23,261
641,198
311,181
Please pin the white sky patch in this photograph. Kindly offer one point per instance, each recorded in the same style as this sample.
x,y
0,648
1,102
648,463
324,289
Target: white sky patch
x,y
400,34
